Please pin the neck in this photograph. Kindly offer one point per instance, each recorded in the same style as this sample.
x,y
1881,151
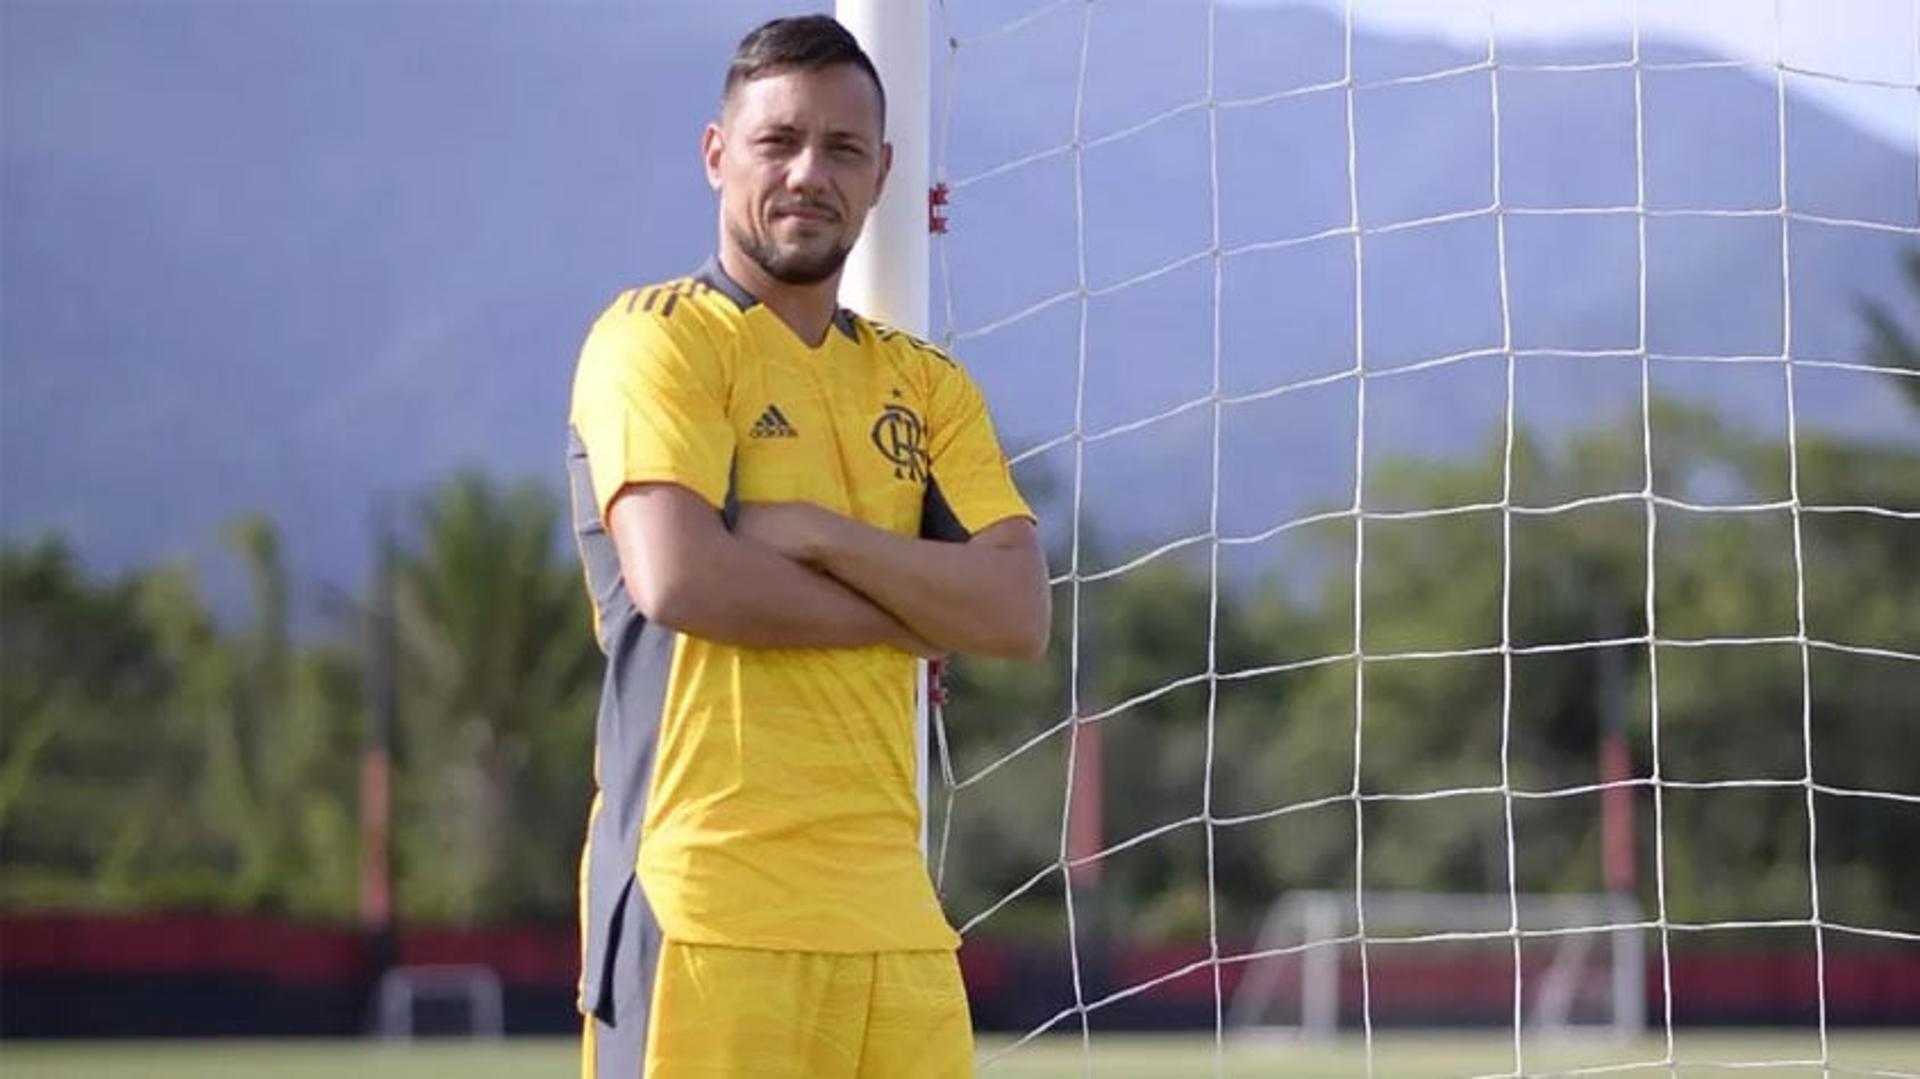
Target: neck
x,y
807,310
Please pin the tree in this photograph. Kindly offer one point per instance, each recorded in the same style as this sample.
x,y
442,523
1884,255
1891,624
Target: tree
x,y
1892,346
153,759
498,676
77,657
1286,738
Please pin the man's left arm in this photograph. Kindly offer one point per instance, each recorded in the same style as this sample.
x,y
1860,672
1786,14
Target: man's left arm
x,y
985,596
979,583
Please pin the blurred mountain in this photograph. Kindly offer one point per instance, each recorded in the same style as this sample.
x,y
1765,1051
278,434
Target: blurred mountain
x,y
1287,309
293,258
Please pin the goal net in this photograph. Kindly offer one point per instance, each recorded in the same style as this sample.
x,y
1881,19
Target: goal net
x,y
1479,456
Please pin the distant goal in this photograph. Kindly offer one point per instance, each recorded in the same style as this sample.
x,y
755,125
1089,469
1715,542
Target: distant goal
x,y
444,999
1581,964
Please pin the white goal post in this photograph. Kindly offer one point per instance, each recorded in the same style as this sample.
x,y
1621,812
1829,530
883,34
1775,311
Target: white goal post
x,y
887,276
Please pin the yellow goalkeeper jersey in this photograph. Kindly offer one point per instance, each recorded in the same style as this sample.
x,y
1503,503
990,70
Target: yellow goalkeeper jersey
x,y
767,796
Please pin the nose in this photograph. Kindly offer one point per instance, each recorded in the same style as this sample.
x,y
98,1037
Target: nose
x,y
806,170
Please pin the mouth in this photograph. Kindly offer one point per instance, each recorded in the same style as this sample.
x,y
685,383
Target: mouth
x,y
806,215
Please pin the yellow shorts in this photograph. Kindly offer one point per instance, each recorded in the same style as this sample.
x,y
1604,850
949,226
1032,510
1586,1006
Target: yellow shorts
x,y
739,1012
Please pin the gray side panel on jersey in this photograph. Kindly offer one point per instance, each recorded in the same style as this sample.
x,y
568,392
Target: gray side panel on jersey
x,y
620,1036
620,935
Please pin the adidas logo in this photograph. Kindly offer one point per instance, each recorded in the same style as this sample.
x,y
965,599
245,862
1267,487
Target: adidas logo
x,y
773,424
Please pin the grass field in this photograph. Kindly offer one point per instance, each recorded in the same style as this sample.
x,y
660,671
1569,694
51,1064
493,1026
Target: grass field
x,y
1414,1056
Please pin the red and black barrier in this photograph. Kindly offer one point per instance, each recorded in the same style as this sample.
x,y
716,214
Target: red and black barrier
x,y
203,975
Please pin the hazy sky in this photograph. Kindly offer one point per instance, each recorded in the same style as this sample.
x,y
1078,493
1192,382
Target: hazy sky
x,y
1874,40
280,256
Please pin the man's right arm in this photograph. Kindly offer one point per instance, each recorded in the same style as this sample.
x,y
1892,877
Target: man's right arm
x,y
684,570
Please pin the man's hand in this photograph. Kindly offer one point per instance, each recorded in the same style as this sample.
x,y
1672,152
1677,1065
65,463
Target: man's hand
x,y
800,530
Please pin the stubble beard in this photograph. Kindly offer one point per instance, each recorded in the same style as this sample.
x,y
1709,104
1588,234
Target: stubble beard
x,y
790,267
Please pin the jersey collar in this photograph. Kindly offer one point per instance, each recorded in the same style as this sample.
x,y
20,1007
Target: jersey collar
x,y
717,279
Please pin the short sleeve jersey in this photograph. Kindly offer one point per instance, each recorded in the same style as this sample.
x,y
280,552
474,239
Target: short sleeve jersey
x,y
770,793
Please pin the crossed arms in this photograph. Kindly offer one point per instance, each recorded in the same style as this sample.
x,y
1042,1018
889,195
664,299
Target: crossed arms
x,y
795,575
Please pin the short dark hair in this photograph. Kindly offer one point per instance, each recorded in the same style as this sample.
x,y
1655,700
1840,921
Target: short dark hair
x,y
802,42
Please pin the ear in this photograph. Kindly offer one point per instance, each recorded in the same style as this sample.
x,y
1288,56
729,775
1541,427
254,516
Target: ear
x,y
886,168
713,143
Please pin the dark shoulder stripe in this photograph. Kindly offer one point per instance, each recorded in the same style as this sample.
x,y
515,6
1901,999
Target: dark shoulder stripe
x,y
663,299
888,334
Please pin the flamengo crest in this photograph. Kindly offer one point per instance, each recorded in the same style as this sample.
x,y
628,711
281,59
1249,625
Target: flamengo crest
x,y
900,437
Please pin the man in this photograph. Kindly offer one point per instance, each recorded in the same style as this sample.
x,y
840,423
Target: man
x,y
780,505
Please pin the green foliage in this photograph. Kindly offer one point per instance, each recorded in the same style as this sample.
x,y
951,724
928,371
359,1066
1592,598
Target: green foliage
x,y
152,756
1270,755
153,759
498,675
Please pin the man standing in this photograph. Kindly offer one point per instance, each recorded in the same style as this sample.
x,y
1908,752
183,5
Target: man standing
x,y
780,505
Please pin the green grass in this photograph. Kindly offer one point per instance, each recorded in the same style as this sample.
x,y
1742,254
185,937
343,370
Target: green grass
x,y
1430,1055
1412,1055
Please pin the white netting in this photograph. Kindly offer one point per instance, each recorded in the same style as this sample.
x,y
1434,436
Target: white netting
x,y
963,36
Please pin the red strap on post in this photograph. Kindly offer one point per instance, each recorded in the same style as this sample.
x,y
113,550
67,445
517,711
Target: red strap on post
x,y
937,197
936,682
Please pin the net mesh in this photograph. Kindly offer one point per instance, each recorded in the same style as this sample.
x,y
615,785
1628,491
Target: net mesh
x,y
962,37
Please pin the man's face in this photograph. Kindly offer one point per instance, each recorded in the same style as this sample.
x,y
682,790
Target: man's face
x,y
798,161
